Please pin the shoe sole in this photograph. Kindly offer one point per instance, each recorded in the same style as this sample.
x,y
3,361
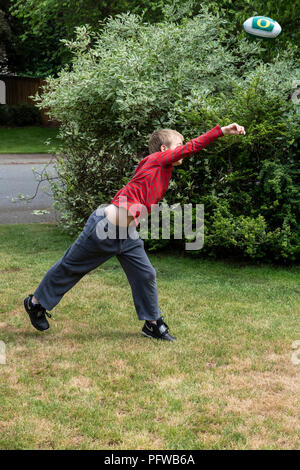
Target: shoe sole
x,y
158,339
36,327
148,336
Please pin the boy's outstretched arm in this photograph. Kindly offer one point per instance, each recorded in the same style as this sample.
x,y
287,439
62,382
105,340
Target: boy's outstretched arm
x,y
169,156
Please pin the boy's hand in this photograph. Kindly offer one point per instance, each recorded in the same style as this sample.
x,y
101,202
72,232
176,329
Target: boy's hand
x,y
233,129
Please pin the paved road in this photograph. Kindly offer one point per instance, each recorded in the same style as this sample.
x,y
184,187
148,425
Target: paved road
x,y
16,176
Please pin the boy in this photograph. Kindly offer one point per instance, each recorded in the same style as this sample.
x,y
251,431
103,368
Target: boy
x,y
100,238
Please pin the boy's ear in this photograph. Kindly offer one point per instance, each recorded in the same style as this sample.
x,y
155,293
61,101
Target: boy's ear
x,y
163,148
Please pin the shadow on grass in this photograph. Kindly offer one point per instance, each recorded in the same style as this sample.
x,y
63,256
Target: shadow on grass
x,y
82,337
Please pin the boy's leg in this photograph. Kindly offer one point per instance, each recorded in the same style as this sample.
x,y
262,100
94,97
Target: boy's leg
x,y
65,273
142,279
84,255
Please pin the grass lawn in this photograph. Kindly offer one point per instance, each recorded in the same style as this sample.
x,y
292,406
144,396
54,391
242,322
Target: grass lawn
x,y
93,382
29,139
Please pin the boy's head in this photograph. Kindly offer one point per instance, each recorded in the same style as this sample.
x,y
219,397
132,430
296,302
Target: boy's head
x,y
164,139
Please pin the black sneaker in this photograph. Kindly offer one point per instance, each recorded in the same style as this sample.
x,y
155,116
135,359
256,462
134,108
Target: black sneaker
x,y
37,314
160,330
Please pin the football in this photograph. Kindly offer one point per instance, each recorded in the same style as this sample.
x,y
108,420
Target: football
x,y
262,27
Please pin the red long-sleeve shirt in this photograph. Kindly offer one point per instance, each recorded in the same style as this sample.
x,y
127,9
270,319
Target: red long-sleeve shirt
x,y
151,178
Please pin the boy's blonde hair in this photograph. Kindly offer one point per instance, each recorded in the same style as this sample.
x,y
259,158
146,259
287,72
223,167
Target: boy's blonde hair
x,y
161,137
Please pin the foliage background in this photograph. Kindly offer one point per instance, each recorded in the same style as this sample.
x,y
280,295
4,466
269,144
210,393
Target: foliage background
x,y
188,74
35,49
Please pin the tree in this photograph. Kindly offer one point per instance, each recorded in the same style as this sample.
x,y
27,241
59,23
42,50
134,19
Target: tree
x,y
5,37
39,26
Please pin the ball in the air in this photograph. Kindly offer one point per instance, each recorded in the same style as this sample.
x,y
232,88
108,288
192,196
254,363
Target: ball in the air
x,y
262,27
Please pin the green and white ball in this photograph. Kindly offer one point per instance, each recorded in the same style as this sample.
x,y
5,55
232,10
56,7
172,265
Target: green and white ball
x,y
262,27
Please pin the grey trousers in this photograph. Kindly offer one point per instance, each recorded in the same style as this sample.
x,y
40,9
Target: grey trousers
x,y
98,242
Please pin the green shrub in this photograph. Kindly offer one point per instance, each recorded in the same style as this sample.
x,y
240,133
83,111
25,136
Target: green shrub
x,y
26,115
20,115
134,78
3,115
